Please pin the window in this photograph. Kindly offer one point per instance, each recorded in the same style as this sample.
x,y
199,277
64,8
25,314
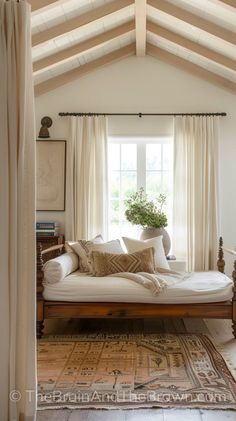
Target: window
x,y
134,163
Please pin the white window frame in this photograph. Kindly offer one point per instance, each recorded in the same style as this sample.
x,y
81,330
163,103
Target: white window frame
x,y
141,171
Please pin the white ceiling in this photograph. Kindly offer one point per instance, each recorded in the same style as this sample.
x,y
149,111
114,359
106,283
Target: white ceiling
x,y
215,11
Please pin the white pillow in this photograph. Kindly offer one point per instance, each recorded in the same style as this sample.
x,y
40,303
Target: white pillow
x,y
83,249
133,245
55,270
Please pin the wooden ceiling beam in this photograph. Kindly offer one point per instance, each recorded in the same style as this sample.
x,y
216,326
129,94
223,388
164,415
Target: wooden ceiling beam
x,y
40,4
74,74
189,67
231,3
194,20
140,26
82,47
79,21
191,45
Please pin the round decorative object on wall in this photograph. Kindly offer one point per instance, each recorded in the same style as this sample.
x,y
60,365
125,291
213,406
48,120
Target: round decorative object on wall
x,y
46,123
155,232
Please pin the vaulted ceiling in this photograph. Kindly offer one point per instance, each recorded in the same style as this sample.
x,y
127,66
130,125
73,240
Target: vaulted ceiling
x,y
73,37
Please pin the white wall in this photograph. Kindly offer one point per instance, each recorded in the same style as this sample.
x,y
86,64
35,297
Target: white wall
x,y
149,85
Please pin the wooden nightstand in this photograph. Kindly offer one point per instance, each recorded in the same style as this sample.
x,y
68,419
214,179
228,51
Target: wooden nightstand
x,y
48,241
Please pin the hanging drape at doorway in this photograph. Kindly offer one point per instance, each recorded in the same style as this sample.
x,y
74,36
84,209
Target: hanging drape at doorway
x,y
86,197
17,215
195,213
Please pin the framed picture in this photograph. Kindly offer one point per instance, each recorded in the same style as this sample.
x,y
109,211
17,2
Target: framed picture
x,y
50,174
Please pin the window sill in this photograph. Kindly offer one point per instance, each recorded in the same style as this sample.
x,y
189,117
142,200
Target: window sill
x,y
178,265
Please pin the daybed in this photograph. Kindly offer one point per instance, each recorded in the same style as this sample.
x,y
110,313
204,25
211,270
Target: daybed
x,y
208,295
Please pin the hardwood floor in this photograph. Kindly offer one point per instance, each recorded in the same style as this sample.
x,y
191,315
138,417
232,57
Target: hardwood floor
x,y
219,329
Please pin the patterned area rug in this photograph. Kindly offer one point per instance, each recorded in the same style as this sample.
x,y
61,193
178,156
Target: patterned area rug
x,y
131,371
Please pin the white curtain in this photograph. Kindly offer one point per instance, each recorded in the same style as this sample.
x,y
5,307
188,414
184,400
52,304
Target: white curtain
x,y
195,213
86,197
17,215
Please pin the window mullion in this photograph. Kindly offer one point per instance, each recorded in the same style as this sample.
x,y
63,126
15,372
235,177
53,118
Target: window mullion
x,y
141,166
162,168
120,190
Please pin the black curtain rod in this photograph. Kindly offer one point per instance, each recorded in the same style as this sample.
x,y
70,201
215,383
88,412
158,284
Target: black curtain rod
x,y
141,114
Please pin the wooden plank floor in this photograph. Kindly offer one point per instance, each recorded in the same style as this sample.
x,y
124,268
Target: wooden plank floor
x,y
220,330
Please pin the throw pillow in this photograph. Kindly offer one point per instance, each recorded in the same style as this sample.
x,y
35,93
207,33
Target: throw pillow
x,y
83,249
133,245
104,264
97,240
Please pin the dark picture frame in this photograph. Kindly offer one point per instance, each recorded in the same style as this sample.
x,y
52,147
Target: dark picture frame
x,y
50,175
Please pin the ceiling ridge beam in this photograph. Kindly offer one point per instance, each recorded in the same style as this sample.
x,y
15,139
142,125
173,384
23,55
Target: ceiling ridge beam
x,y
194,20
74,74
37,5
189,67
140,27
79,21
191,45
82,47
231,3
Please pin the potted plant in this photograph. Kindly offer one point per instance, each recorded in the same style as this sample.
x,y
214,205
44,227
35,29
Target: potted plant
x,y
149,215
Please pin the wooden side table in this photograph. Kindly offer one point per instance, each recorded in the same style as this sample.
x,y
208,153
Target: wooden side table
x,y
48,241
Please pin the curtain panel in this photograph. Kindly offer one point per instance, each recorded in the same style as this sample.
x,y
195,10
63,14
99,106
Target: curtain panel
x,y
87,180
17,215
195,213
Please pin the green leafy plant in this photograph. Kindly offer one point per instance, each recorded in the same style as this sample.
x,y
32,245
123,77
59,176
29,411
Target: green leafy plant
x,y
144,212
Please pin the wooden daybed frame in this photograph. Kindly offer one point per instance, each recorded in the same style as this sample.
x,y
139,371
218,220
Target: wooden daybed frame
x,y
63,310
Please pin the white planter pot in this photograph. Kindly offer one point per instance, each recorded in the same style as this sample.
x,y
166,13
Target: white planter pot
x,y
155,232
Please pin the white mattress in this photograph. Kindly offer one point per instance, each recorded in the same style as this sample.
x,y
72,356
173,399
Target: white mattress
x,y
201,287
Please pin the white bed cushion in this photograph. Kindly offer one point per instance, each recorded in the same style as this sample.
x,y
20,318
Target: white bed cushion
x,y
201,287
84,248
134,245
55,270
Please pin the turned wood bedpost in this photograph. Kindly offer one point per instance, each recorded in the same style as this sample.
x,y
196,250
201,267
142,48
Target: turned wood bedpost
x,y
40,300
234,301
221,261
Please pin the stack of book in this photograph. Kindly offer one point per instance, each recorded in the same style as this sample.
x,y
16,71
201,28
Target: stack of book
x,y
47,228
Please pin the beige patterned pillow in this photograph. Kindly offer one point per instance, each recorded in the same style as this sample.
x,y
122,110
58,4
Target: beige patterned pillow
x,y
84,248
104,264
68,244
